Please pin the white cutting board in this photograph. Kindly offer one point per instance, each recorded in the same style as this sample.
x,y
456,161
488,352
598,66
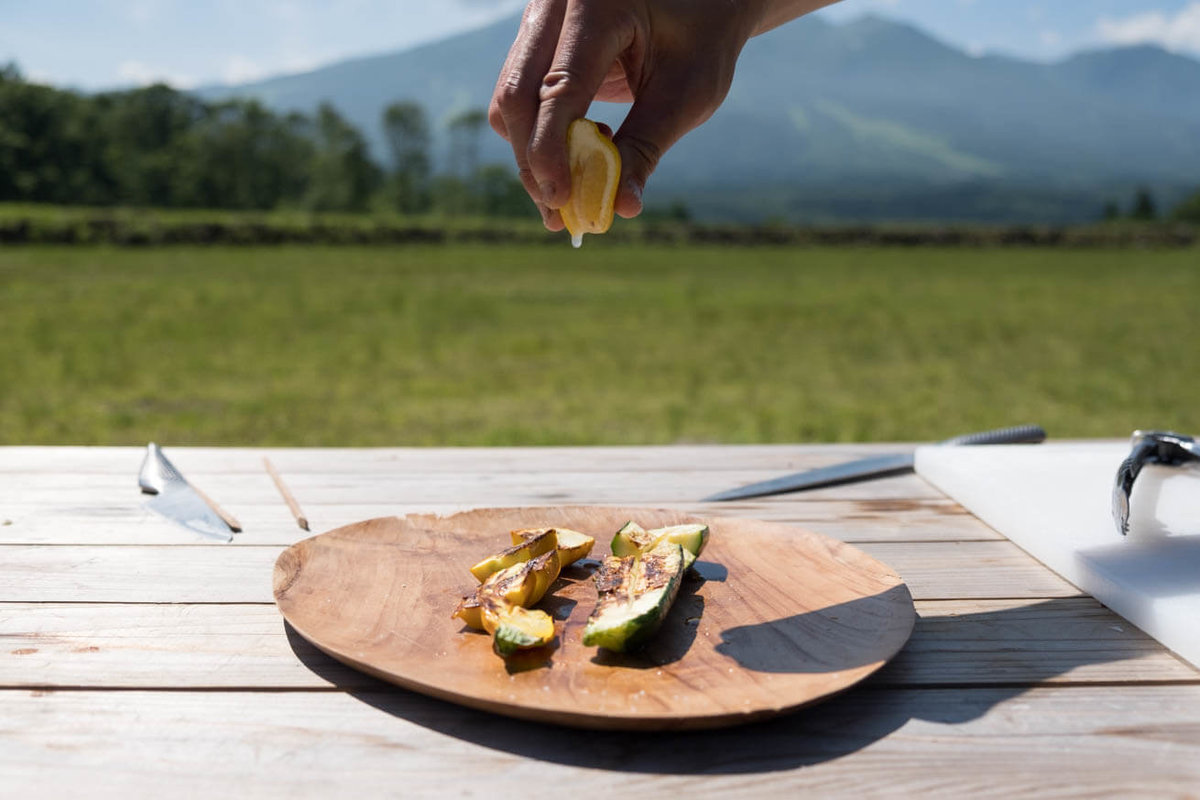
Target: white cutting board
x,y
1055,500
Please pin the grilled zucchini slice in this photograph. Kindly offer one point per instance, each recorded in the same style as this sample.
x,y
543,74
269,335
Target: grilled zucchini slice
x,y
633,539
635,595
516,628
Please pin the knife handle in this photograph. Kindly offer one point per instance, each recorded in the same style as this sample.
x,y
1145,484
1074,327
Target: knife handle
x,y
1021,434
226,517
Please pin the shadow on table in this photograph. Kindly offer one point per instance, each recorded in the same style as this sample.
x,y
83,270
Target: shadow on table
x,y
954,669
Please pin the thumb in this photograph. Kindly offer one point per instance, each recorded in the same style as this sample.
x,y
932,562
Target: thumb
x,y
657,120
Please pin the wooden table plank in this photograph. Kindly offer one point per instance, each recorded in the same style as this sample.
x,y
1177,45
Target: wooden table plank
x,y
270,524
1030,642
135,574
1143,741
170,646
101,600
225,574
223,460
969,570
236,491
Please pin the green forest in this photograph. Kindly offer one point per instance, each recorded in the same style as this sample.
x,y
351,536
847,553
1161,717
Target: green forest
x,y
158,147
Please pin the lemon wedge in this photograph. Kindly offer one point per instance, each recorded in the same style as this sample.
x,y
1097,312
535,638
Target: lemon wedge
x,y
595,170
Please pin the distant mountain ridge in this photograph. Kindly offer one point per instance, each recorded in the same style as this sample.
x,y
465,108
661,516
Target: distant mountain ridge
x,y
869,120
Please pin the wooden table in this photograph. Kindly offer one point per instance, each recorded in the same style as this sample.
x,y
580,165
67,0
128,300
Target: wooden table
x,y
137,661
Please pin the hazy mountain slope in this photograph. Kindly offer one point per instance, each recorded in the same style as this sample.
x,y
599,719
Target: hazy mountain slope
x,y
1144,79
874,115
877,99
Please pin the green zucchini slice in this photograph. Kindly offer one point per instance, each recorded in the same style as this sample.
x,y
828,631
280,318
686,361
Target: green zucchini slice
x,y
518,628
633,539
635,595
692,538
630,540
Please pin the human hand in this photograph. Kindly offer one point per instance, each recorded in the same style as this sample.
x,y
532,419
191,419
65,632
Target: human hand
x,y
673,58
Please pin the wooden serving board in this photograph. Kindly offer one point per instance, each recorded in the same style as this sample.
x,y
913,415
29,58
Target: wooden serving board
x,y
779,618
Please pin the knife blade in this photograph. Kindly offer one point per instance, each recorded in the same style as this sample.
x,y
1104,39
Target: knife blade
x,y
872,467
176,499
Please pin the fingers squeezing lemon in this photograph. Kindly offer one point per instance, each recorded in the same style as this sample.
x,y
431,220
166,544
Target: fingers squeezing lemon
x,y
595,170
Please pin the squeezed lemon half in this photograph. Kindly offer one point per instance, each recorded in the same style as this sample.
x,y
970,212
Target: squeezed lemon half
x,y
595,170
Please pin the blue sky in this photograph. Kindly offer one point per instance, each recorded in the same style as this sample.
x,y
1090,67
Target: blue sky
x,y
1044,29
106,43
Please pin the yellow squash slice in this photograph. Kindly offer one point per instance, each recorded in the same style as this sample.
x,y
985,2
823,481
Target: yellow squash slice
x,y
572,545
522,584
526,550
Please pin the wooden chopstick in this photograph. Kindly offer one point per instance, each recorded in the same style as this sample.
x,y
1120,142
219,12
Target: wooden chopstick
x,y
301,520
230,520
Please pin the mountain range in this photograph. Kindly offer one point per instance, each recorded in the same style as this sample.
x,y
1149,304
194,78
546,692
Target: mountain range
x,y
872,119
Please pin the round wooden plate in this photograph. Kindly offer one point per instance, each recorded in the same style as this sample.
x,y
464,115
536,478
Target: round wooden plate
x,y
779,618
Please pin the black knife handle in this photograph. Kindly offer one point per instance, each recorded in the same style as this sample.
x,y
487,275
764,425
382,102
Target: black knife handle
x,y
1021,434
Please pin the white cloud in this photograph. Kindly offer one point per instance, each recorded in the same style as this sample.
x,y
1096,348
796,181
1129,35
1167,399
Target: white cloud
x,y
299,63
1180,31
239,69
142,74
143,12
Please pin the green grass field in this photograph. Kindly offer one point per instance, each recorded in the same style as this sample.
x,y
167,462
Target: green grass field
x,y
610,344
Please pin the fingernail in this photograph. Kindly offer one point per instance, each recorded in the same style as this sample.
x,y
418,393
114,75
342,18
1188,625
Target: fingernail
x,y
547,189
635,189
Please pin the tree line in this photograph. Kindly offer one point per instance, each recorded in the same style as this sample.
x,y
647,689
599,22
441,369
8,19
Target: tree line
x,y
1144,208
159,147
